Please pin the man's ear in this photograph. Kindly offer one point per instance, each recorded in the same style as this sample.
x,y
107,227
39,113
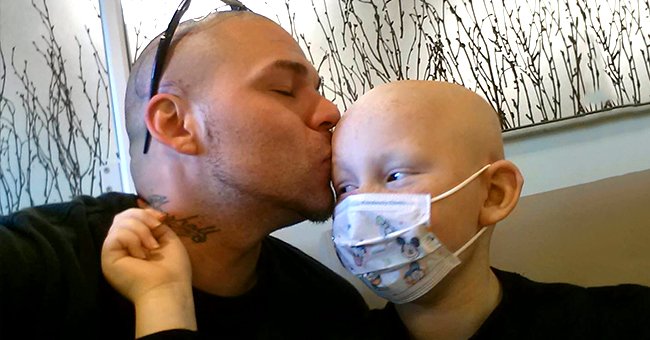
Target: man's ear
x,y
171,123
504,188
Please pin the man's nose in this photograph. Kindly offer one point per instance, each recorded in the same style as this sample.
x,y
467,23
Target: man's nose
x,y
325,116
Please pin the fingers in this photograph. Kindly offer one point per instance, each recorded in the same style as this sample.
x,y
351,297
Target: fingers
x,y
141,203
132,231
131,242
164,234
141,222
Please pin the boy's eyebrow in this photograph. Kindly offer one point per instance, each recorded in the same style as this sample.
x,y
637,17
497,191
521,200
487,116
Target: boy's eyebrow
x,y
293,66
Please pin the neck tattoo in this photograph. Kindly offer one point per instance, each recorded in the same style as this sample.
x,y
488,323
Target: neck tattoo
x,y
183,227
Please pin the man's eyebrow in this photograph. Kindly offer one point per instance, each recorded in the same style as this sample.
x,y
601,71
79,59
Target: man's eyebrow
x,y
292,66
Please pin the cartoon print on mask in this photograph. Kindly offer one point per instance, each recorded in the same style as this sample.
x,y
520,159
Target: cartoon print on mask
x,y
411,249
414,274
384,225
358,252
374,279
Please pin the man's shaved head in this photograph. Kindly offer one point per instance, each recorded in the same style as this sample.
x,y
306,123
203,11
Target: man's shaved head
x,y
238,116
191,59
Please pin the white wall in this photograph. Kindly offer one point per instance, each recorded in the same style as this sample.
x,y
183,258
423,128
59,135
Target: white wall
x,y
581,150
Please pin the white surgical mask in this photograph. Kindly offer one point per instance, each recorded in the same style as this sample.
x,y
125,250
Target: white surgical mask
x,y
384,240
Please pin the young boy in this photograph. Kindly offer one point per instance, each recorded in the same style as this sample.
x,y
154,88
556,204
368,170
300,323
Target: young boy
x,y
421,179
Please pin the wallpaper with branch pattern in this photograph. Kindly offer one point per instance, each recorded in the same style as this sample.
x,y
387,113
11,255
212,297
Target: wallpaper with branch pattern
x,y
55,121
535,61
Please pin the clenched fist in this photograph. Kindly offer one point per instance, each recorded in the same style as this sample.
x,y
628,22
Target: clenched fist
x,y
144,260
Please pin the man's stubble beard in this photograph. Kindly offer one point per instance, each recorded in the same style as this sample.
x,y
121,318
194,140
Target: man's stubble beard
x,y
235,189
303,205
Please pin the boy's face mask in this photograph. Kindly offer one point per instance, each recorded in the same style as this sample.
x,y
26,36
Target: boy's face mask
x,y
383,239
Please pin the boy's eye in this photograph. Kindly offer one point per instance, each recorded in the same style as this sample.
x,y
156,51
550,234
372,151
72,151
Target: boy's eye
x,y
345,189
394,176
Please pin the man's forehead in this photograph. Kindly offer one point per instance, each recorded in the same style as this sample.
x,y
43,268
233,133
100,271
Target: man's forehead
x,y
254,37
229,30
299,67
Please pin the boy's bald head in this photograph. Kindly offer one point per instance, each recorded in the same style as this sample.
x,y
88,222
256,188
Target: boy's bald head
x,y
449,113
427,137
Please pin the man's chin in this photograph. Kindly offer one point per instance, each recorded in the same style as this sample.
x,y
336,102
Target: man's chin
x,y
318,210
320,218
311,215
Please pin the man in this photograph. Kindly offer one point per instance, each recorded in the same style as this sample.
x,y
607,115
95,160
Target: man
x,y
240,147
422,181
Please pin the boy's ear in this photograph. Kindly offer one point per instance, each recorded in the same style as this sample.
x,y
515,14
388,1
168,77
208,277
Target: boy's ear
x,y
171,123
504,188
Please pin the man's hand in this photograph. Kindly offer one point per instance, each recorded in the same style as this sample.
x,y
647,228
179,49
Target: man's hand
x,y
144,260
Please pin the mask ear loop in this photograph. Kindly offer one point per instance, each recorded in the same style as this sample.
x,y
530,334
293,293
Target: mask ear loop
x,y
459,186
453,191
469,243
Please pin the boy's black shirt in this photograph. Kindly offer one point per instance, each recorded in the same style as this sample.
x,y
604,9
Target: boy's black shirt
x,y
535,310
